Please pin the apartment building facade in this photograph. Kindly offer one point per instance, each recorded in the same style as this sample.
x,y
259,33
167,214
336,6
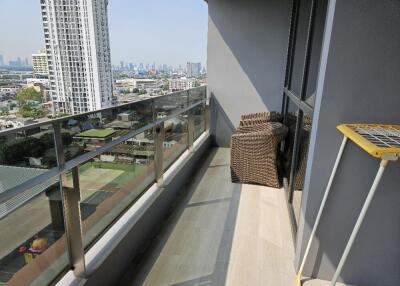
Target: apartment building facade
x,y
183,83
193,69
78,54
39,63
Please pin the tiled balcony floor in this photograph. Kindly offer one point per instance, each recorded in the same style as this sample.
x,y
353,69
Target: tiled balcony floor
x,y
221,234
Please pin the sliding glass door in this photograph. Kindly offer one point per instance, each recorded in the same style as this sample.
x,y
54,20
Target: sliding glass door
x,y
305,40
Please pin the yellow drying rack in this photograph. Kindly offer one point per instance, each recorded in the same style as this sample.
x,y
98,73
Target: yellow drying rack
x,y
380,141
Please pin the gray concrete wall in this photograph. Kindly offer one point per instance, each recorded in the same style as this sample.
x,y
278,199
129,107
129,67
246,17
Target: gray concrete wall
x,y
358,82
247,44
115,266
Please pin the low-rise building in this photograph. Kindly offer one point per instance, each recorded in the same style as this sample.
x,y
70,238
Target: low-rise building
x,y
182,83
9,89
35,81
39,63
94,138
140,83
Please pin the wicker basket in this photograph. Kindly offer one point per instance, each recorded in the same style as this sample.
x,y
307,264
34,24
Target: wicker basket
x,y
254,154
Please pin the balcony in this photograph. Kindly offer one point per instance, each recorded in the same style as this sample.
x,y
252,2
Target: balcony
x,y
220,233
140,194
114,172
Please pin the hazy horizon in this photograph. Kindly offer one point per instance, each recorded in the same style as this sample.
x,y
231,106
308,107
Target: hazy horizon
x,y
164,32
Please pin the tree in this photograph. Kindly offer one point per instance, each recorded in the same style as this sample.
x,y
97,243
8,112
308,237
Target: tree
x,y
15,151
135,90
66,138
49,161
27,111
48,140
32,147
25,94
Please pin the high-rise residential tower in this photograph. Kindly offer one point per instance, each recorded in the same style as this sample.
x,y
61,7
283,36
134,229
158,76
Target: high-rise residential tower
x,y
78,54
193,69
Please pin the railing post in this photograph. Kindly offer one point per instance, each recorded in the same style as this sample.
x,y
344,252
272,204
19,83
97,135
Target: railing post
x,y
58,144
190,124
71,210
73,227
207,115
159,135
190,130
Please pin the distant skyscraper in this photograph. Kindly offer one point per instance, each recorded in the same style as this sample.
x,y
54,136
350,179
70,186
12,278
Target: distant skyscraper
x,y
26,62
39,63
1,61
78,54
15,64
193,69
122,65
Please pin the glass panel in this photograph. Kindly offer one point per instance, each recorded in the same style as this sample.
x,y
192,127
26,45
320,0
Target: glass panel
x,y
176,139
199,120
304,14
32,236
112,181
290,115
25,155
170,104
301,38
88,132
197,94
316,51
300,167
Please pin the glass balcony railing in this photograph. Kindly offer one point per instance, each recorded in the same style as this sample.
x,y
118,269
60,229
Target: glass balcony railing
x,y
65,181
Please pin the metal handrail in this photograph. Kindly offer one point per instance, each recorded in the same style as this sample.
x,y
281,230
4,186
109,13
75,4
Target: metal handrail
x,y
60,119
71,196
69,165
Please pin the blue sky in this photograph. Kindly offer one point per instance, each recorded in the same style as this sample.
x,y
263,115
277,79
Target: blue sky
x,y
164,31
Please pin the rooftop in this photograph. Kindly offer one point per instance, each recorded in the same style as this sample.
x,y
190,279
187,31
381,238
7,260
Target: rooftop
x,y
97,133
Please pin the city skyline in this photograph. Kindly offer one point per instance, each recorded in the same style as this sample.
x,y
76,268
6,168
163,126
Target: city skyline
x,y
115,65
178,24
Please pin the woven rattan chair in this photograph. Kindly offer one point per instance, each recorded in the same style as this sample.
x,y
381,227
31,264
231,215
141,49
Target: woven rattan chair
x,y
254,154
260,117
